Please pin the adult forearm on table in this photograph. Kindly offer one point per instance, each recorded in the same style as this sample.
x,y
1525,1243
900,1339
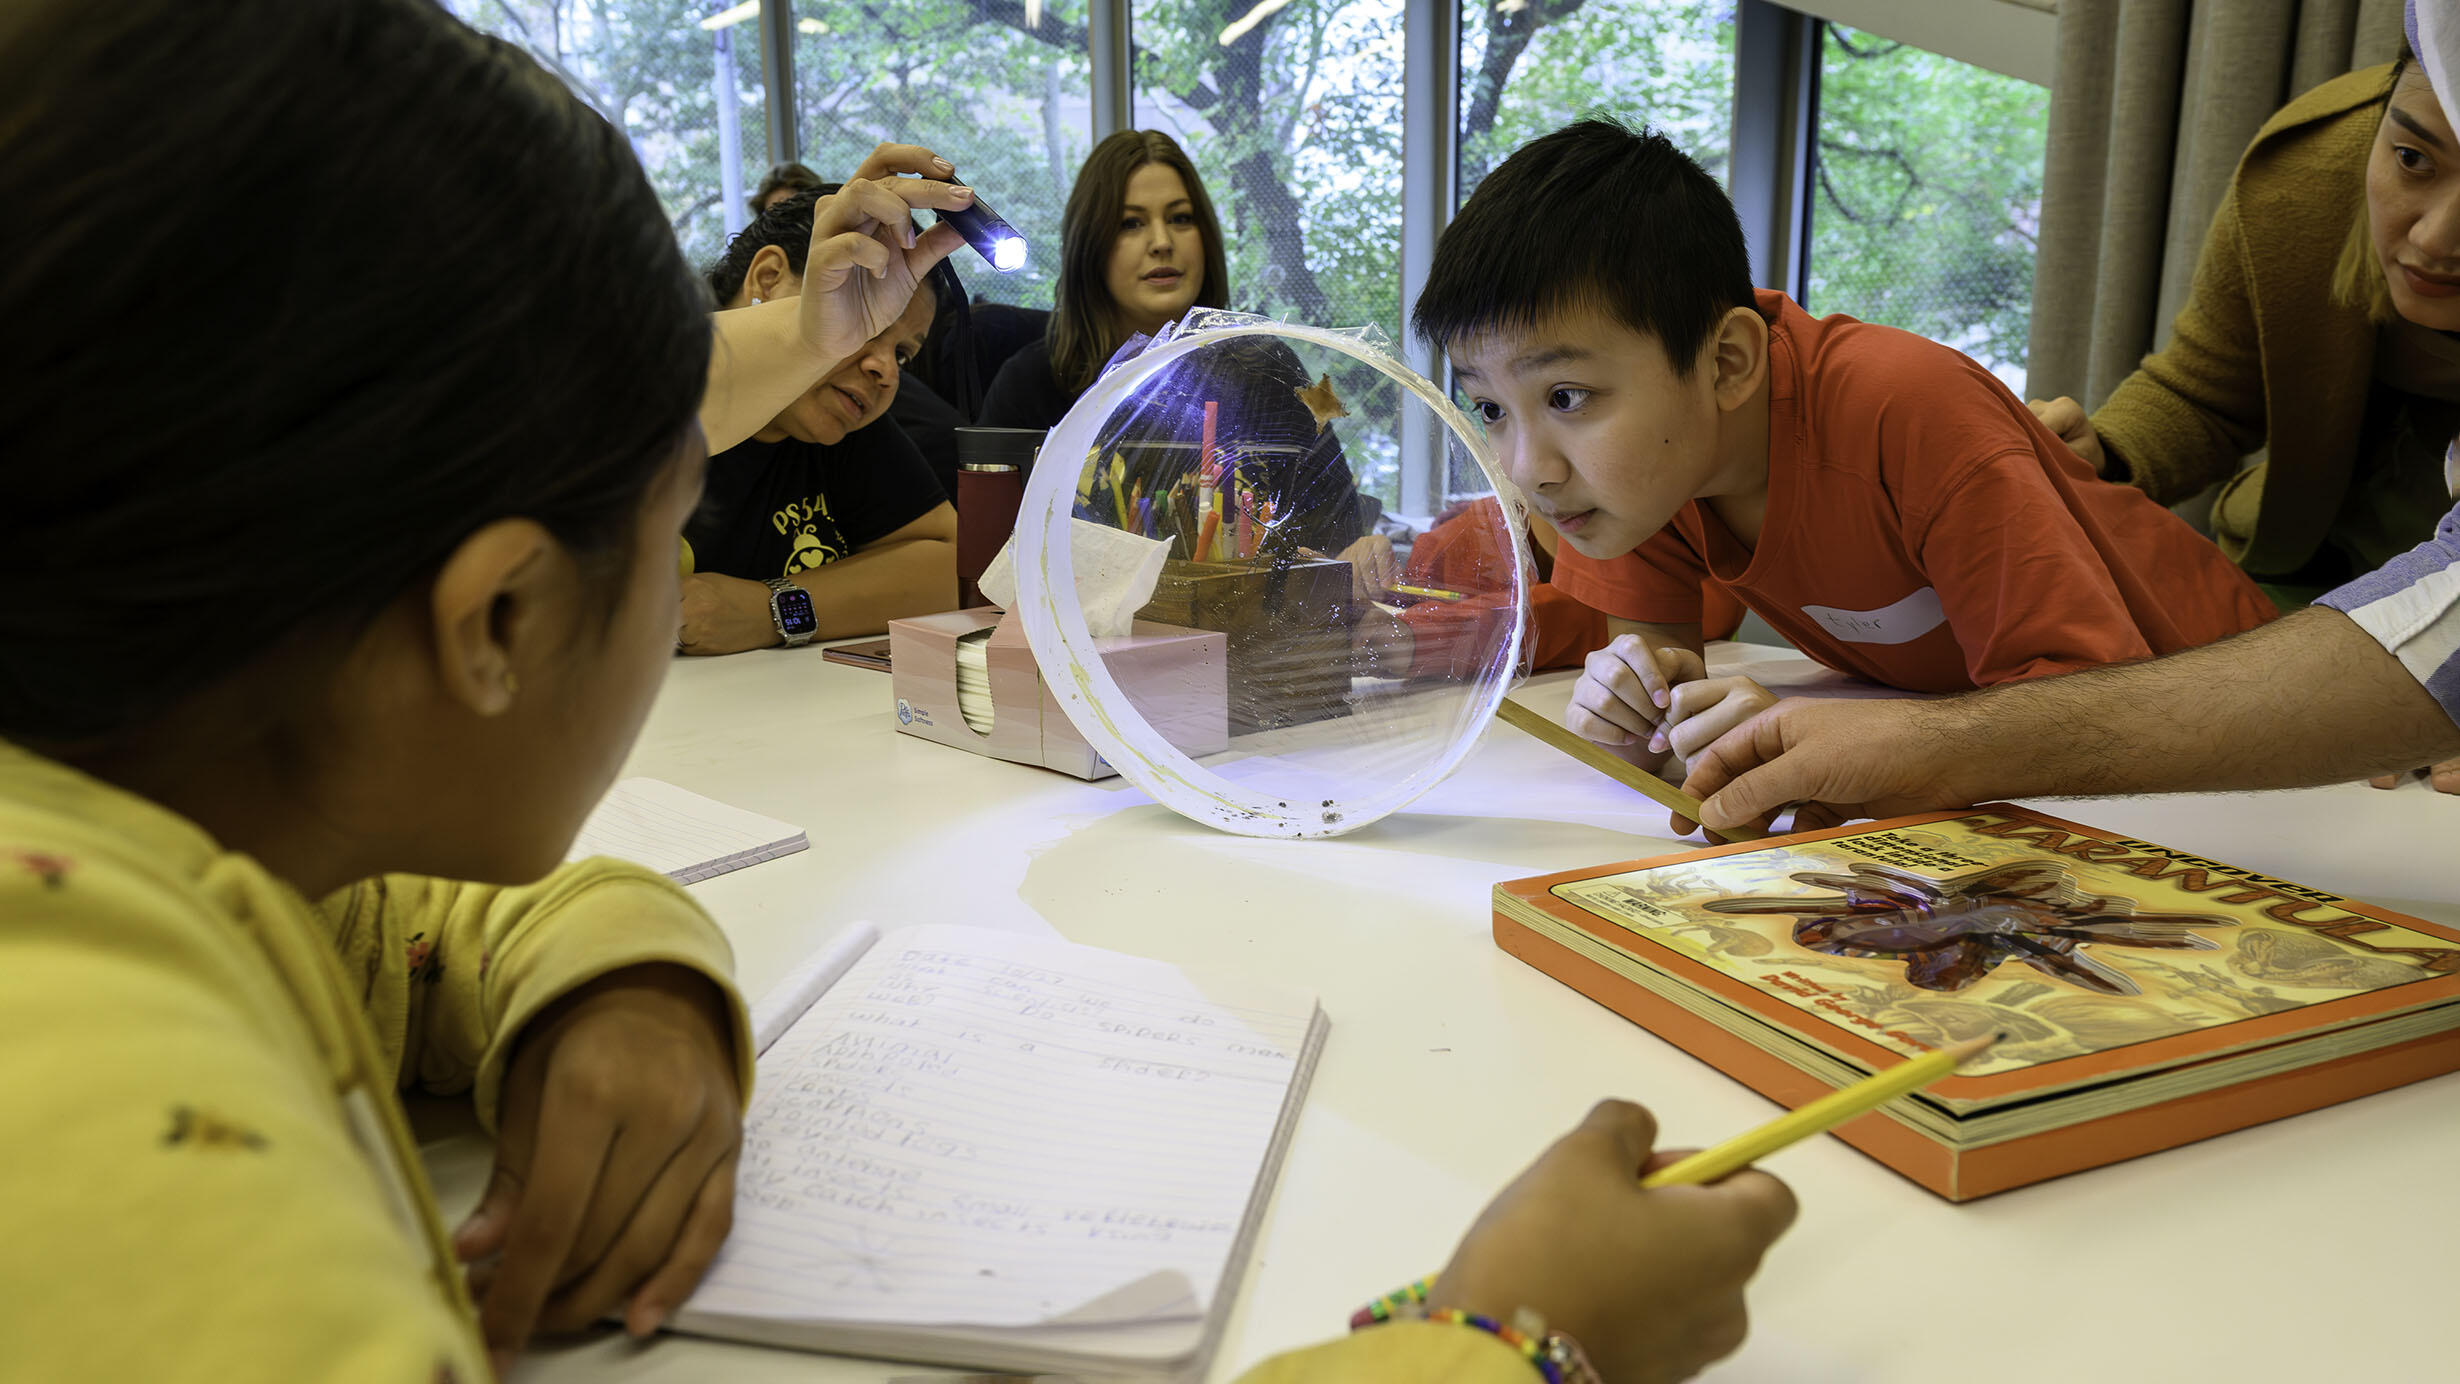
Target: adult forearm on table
x,y
2304,700
758,364
862,593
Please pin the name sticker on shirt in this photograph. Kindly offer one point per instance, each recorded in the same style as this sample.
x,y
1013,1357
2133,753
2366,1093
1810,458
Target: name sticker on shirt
x,y
1898,623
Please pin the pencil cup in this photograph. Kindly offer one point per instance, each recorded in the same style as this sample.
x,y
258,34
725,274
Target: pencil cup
x,y
1288,626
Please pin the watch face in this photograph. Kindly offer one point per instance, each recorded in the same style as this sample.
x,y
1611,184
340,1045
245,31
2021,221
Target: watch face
x,y
795,614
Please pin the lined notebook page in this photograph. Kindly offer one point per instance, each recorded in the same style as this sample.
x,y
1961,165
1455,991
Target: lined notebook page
x,y
977,1128
681,834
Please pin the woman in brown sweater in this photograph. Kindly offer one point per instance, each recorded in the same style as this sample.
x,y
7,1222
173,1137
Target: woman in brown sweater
x,y
2322,331
2318,328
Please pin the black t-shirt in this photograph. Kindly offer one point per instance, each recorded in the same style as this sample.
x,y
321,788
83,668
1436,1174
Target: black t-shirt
x,y
1275,443
969,342
1024,394
772,509
930,423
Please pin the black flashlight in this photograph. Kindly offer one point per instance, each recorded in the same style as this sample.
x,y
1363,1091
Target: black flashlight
x,y
995,240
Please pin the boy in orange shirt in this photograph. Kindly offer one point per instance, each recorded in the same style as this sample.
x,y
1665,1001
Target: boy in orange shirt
x,y
1460,552
1881,501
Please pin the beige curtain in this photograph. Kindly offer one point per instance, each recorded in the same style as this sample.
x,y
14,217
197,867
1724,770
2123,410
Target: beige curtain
x,y
2152,104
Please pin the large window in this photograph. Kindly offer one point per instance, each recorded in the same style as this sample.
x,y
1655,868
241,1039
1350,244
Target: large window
x,y
1528,67
1293,115
1923,180
1002,91
1926,196
681,78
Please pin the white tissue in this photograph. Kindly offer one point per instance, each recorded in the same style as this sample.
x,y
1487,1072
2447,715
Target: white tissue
x,y
1116,572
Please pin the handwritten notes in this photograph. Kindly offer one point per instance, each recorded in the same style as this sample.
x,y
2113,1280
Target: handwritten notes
x,y
681,834
973,1128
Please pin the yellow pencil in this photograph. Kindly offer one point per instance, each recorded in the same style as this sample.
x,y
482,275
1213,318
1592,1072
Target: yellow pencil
x,y
1432,593
1819,1116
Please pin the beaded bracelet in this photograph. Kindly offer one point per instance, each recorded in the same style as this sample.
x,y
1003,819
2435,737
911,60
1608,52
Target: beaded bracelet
x,y
1408,1300
1556,1357
1531,1348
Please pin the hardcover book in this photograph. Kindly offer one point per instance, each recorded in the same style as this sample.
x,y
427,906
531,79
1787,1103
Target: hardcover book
x,y
2145,997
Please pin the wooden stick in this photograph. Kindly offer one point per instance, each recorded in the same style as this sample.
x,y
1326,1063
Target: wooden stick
x,y
1539,725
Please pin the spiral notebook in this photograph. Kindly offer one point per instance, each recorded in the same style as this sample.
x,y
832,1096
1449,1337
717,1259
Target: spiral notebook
x,y
681,834
977,1149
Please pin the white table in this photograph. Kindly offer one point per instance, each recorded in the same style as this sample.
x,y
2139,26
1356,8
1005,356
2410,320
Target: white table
x,y
2326,1246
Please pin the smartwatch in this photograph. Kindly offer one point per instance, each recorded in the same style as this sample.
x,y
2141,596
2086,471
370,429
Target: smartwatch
x,y
790,609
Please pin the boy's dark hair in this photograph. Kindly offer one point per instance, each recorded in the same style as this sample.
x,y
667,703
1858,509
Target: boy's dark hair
x,y
1594,214
382,282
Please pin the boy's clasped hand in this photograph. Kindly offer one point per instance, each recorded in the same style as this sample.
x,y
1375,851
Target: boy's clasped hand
x,y
1657,703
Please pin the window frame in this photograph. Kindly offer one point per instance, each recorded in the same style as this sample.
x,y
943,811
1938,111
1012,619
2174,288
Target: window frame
x,y
1776,110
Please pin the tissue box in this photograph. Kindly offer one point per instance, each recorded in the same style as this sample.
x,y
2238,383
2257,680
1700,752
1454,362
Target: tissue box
x,y
1288,629
1176,678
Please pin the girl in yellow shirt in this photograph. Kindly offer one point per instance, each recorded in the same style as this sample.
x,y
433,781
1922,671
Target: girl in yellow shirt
x,y
345,446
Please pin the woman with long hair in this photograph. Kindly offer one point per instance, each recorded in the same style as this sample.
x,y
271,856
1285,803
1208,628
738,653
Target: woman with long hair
x,y
1140,248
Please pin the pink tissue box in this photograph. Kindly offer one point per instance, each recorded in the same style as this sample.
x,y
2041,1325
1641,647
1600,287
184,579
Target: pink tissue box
x,y
1176,678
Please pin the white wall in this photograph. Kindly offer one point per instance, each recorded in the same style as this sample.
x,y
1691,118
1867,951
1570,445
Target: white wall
x,y
2016,37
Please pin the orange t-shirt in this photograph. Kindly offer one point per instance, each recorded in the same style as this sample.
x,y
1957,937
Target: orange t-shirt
x,y
1925,531
1463,552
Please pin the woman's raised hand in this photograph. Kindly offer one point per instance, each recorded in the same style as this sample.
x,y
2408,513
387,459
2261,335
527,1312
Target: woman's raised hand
x,y
866,259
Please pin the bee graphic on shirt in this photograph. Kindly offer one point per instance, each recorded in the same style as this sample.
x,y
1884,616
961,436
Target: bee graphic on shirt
x,y
802,520
810,551
206,1130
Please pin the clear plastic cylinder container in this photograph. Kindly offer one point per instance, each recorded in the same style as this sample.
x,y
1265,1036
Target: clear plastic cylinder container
x,y
1293,670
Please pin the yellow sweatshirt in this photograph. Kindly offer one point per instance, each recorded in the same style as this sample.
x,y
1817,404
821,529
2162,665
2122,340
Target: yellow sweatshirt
x,y
204,1172
208,1175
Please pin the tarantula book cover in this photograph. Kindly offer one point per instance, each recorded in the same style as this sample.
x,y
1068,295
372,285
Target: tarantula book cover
x,y
2142,996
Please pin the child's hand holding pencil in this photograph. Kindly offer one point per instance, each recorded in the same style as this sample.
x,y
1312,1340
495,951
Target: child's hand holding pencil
x,y
1649,1283
1640,1255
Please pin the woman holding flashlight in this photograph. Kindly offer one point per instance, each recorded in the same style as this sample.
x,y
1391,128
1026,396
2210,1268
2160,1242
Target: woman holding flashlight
x,y
819,525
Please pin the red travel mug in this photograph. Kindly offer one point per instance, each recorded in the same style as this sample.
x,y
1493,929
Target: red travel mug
x,y
991,468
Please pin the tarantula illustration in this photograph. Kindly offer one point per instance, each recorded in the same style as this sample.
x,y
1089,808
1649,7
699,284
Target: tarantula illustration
x,y
1952,932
